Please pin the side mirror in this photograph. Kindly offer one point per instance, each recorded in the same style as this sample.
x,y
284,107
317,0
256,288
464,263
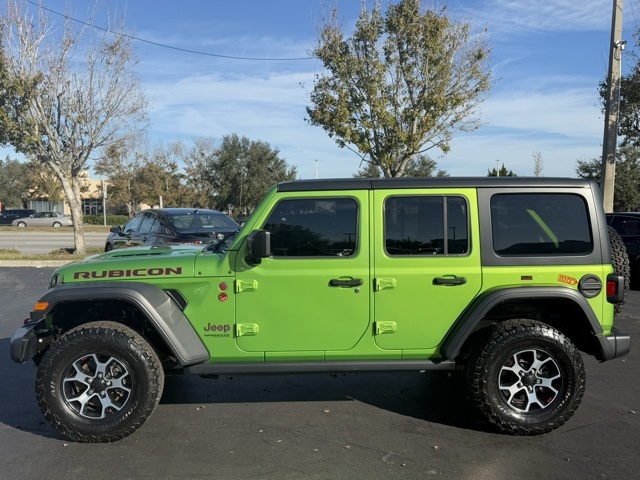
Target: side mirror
x,y
116,229
258,245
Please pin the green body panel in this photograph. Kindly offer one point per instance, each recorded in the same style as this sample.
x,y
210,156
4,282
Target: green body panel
x,y
153,265
422,311
566,276
284,309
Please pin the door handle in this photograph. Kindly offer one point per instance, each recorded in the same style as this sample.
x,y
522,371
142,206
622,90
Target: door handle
x,y
449,281
354,282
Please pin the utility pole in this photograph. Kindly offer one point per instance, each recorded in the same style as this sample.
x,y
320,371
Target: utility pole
x,y
612,106
104,202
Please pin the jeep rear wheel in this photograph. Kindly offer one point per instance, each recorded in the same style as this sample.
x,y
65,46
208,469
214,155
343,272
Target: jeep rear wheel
x,y
528,378
99,382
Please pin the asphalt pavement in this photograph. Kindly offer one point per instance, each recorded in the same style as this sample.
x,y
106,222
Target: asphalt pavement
x,y
42,241
356,426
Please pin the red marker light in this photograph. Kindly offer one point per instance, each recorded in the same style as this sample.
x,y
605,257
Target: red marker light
x,y
223,286
223,297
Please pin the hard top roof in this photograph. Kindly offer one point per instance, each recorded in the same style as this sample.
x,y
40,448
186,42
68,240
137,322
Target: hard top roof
x,y
433,182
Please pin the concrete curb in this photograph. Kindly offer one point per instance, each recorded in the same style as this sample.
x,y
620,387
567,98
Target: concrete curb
x,y
34,263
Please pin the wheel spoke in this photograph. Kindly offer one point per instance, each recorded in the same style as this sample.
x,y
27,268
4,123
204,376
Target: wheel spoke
x,y
121,383
108,404
532,398
84,400
548,383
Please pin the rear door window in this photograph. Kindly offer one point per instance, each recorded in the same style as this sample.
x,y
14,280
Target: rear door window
x,y
426,225
147,223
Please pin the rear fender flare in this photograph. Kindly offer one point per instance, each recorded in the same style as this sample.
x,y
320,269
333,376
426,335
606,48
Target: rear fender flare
x,y
470,319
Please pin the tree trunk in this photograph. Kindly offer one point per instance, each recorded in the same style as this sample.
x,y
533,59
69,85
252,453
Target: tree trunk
x,y
75,203
71,187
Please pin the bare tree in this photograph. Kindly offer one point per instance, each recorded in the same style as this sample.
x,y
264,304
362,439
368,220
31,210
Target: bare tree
x,y
83,95
538,164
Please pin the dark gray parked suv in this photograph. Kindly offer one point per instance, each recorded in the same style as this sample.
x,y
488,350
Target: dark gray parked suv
x,y
627,224
9,215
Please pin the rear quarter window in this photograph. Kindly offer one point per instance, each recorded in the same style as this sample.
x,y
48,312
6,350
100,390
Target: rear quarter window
x,y
540,224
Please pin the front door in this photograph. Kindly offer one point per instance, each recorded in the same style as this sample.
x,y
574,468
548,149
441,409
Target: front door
x,y
312,295
427,265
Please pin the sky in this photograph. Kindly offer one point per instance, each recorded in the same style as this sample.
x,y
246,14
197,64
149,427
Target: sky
x,y
547,59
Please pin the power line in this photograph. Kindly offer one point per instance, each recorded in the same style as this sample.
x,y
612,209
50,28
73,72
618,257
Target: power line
x,y
171,47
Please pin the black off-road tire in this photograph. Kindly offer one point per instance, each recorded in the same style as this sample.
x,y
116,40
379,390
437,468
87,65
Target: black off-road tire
x,y
526,378
99,382
620,262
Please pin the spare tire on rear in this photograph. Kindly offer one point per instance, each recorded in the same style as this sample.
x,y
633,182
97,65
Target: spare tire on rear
x,y
620,262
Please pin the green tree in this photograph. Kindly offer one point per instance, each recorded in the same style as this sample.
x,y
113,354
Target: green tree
x,y
43,183
591,169
199,174
400,85
420,166
160,176
13,183
503,172
629,106
626,194
242,172
120,165
66,92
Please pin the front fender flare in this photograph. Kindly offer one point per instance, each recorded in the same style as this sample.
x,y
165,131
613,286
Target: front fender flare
x,y
156,306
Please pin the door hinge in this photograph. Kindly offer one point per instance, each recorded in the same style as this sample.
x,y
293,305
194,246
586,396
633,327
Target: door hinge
x,y
386,327
384,283
246,285
246,329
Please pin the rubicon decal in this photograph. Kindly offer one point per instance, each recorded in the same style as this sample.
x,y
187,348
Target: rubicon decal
x,y
567,279
136,272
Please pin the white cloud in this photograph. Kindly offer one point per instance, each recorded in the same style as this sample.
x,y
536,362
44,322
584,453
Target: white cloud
x,y
556,115
568,114
547,15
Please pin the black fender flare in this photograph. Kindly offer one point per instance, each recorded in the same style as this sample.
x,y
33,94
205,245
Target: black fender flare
x,y
156,306
470,319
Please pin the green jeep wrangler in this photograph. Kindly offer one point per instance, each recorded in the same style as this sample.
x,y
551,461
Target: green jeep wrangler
x,y
502,279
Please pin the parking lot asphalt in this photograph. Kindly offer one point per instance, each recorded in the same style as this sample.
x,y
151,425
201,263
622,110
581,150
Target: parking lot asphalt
x,y
356,426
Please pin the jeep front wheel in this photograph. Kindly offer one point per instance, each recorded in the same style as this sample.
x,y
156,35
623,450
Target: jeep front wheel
x,y
528,378
99,382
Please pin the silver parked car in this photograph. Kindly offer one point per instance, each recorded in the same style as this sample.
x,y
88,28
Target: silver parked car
x,y
44,219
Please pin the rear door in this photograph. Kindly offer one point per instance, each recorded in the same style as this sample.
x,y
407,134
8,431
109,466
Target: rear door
x,y
426,264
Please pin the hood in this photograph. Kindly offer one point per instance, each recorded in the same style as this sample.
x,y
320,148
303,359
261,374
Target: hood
x,y
136,263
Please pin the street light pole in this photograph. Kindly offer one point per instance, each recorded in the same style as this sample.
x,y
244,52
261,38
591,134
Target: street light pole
x,y
612,104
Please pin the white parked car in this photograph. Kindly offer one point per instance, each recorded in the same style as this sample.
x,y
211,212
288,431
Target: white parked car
x,y
44,219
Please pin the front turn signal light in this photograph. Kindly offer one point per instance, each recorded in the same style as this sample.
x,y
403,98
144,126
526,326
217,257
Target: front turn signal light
x,y
40,306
